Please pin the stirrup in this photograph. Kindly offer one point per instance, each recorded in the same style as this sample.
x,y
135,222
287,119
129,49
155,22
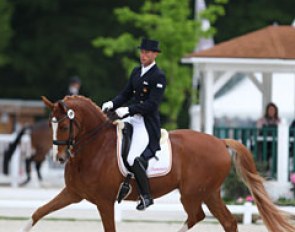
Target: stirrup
x,y
125,189
144,203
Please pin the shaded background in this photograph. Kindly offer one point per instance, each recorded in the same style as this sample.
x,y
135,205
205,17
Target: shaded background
x,y
43,43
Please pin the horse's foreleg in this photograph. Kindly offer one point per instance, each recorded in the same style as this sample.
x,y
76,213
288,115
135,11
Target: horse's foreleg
x,y
63,199
106,210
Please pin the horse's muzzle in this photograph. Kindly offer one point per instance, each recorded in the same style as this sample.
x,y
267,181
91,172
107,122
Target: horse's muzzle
x,y
61,160
62,157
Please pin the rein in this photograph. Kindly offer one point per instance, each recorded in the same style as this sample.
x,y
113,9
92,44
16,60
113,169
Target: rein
x,y
87,137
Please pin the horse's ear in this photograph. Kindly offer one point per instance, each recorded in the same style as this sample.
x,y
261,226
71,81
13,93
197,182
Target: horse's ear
x,y
47,103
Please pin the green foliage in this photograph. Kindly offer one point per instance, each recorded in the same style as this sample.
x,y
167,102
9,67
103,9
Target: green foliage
x,y
234,187
5,29
285,202
52,42
169,22
44,42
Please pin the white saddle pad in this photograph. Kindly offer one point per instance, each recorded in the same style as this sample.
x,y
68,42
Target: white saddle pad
x,y
156,167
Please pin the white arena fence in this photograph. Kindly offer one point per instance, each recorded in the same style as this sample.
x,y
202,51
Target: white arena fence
x,y
163,210
22,202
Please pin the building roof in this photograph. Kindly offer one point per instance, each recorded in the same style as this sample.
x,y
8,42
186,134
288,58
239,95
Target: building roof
x,y
272,42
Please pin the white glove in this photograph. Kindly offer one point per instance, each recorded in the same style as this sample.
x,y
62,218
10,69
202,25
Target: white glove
x,y
122,111
107,106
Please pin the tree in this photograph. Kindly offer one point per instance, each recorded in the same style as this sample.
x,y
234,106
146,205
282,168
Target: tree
x,y
5,29
51,42
169,22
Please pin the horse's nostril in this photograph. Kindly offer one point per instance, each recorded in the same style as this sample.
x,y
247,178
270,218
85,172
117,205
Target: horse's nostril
x,y
61,160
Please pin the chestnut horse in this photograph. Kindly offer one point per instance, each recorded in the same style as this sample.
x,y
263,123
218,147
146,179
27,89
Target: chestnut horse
x,y
86,139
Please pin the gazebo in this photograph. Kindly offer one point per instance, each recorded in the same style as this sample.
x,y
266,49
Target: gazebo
x,y
267,51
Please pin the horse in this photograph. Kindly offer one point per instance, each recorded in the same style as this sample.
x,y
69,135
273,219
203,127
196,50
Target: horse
x,y
85,138
41,143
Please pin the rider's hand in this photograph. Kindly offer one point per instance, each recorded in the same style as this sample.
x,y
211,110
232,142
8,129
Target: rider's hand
x,y
107,106
122,112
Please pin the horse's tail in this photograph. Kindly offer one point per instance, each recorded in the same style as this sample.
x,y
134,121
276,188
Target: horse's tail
x,y
11,148
274,219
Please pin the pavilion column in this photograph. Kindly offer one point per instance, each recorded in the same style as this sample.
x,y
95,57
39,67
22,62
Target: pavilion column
x,y
195,109
208,93
267,95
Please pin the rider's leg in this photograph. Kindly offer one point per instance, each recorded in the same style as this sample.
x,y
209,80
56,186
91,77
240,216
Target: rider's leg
x,y
139,170
140,140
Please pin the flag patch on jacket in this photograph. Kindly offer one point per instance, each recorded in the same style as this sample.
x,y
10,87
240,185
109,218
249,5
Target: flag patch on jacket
x,y
159,85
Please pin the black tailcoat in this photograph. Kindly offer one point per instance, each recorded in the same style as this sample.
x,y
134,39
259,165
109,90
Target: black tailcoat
x,y
146,93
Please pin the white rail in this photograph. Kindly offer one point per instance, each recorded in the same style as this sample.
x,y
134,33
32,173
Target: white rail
x,y
22,202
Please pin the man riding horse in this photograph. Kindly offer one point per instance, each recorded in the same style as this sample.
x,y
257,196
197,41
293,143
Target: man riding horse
x,y
146,88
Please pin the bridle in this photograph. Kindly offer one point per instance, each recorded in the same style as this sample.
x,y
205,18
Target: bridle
x,y
71,143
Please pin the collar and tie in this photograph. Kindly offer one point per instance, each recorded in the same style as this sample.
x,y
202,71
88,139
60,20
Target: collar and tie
x,y
144,70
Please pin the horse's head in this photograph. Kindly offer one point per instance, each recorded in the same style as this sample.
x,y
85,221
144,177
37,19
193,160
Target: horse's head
x,y
71,124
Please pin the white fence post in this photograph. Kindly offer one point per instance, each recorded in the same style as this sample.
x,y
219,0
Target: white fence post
x,y
283,152
247,217
118,212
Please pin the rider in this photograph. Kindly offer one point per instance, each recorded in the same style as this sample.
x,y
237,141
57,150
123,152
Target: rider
x,y
146,88
74,86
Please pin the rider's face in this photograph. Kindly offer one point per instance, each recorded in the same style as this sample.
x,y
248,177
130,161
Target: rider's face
x,y
147,57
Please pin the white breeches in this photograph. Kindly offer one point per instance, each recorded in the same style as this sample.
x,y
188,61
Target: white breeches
x,y
140,138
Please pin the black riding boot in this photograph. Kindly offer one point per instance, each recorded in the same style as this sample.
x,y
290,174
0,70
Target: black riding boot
x,y
142,181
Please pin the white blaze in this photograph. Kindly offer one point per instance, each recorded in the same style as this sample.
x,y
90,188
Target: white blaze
x,y
54,124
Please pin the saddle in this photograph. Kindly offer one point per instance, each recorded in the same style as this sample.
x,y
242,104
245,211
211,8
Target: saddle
x,y
158,165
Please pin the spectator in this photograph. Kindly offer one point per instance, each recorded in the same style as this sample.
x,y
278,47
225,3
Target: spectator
x,y
271,117
270,120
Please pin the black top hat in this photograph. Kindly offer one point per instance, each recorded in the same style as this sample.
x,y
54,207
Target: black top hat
x,y
150,45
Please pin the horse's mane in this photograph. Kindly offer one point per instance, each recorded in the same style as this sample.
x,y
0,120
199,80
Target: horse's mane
x,y
82,98
110,115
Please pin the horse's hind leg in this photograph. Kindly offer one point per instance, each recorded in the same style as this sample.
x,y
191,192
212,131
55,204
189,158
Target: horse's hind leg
x,y
63,199
194,211
38,168
221,212
28,171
